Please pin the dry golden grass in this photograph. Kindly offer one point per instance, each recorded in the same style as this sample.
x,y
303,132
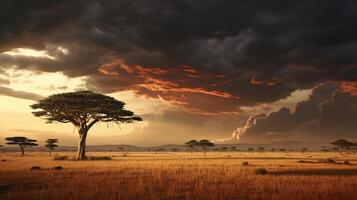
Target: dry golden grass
x,y
180,176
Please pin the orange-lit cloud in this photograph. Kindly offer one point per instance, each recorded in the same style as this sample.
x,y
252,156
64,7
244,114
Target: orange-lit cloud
x,y
254,81
166,84
349,86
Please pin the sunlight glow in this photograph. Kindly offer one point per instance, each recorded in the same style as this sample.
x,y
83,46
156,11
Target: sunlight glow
x,y
30,53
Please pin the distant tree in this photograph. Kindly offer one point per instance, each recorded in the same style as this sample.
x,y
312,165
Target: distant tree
x,y
120,148
174,149
342,144
250,149
282,149
233,148
303,150
272,149
205,145
23,142
83,109
51,144
192,144
261,149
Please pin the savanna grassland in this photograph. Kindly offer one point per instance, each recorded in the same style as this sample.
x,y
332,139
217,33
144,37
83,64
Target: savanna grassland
x,y
294,176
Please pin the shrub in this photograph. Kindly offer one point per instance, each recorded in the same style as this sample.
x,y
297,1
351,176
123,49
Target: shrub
x,y
245,163
346,162
35,168
60,158
58,168
99,158
261,171
328,160
305,161
3,160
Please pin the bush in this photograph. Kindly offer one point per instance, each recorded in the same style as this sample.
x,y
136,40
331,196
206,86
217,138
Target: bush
x,y
328,160
60,158
346,162
244,164
261,171
35,168
3,160
99,158
58,168
305,161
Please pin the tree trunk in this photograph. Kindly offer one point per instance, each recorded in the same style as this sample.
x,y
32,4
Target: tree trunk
x,y
22,150
81,154
50,153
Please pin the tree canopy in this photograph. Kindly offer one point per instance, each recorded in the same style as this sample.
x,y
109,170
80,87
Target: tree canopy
x,y
51,144
192,144
342,144
82,107
23,142
205,145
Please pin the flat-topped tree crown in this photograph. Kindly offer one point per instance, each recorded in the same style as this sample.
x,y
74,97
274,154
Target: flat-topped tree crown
x,y
23,142
51,144
342,144
83,109
205,144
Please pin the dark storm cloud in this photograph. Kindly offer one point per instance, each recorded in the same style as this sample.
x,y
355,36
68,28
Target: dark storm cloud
x,y
328,109
260,51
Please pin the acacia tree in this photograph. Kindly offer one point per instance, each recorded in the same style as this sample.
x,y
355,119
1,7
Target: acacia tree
x,y
342,144
83,109
23,142
205,145
192,144
51,144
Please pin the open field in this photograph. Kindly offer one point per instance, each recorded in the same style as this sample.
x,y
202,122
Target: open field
x,y
180,176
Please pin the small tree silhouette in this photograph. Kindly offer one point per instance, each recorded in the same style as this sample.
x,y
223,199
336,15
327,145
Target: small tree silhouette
x,y
23,142
192,144
261,148
342,144
205,145
51,144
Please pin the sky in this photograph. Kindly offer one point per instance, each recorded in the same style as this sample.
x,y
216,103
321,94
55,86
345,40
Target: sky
x,y
230,71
